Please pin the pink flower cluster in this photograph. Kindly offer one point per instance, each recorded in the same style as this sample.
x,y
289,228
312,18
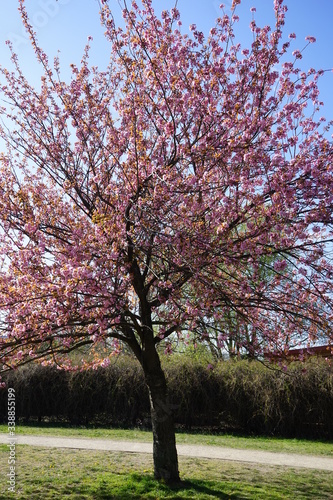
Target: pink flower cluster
x,y
189,185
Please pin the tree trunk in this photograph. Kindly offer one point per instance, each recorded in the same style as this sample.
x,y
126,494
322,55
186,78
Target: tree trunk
x,y
164,440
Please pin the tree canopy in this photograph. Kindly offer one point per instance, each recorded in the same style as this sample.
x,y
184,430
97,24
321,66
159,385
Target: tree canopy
x,y
189,181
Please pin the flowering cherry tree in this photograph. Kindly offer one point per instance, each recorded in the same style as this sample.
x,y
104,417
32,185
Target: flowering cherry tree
x,y
189,181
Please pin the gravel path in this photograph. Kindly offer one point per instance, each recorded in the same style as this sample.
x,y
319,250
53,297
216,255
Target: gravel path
x,y
233,454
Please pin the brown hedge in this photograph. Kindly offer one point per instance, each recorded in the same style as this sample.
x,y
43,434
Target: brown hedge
x,y
243,396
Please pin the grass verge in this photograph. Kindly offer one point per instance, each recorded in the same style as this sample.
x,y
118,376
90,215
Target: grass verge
x,y
300,446
84,474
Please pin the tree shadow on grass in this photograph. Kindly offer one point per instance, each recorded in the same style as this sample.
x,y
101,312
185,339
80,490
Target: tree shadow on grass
x,y
140,487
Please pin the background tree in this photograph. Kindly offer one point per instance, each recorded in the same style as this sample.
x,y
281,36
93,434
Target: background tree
x,y
227,335
185,162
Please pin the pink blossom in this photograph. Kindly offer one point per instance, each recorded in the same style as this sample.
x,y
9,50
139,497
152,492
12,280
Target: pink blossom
x,y
105,363
297,54
280,265
310,39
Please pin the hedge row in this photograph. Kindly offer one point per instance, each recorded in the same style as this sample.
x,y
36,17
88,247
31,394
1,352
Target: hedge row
x,y
242,396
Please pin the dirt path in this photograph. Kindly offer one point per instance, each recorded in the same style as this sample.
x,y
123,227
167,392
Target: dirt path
x,y
233,454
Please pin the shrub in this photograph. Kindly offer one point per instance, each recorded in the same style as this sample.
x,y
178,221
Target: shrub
x,y
235,396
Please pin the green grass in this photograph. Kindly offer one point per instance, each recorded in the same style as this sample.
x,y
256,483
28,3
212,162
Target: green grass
x,y
300,446
83,474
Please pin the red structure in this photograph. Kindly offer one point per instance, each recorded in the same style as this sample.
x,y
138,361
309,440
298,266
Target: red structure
x,y
322,351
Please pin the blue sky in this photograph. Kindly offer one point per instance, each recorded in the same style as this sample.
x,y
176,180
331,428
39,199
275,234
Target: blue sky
x,y
66,24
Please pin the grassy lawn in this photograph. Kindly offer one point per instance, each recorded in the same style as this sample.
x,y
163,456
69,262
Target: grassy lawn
x,y
84,474
257,443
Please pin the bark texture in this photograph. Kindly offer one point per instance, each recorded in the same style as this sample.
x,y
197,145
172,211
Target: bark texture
x,y
164,440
